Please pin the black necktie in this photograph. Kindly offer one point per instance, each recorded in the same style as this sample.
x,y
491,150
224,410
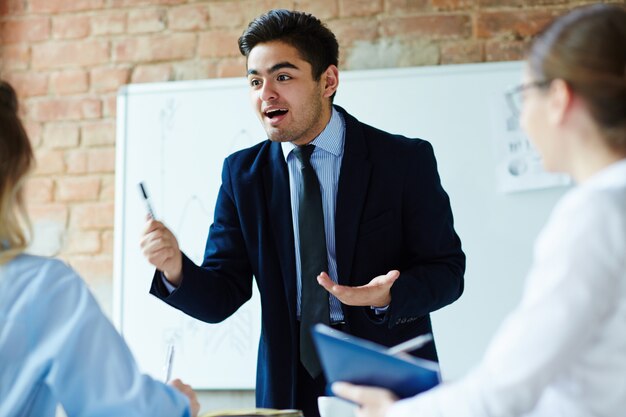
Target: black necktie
x,y
313,259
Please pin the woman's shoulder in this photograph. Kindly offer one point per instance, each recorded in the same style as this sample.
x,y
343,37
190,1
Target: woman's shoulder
x,y
34,263
587,214
33,271
595,202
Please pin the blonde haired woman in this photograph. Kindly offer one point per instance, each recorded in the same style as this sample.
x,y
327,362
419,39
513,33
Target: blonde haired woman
x,y
562,351
56,346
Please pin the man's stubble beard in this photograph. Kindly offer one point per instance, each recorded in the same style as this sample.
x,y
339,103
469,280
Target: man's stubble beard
x,y
309,119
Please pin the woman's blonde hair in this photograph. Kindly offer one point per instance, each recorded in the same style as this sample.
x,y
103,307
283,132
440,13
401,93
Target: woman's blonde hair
x,y
16,160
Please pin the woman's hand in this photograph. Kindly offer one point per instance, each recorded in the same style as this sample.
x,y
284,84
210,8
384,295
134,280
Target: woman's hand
x,y
373,402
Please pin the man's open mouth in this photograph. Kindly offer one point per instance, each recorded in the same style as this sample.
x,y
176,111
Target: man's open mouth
x,y
275,113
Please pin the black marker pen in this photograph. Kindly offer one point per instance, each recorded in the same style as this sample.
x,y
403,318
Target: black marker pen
x,y
144,194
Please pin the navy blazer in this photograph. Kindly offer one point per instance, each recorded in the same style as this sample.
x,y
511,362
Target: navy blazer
x,y
391,213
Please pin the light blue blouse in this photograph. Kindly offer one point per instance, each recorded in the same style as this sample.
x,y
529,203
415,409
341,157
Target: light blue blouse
x,y
57,347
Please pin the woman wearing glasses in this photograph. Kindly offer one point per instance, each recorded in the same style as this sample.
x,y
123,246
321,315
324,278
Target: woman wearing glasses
x,y
562,351
56,346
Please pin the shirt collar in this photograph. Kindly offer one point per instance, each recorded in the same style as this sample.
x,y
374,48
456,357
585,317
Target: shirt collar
x,y
331,139
612,175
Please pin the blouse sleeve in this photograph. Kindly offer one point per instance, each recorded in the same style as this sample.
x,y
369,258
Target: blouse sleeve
x,y
91,370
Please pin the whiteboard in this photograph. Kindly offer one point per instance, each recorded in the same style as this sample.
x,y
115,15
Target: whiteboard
x,y
175,136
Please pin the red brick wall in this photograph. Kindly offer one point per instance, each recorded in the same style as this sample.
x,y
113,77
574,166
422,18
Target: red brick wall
x,y
67,58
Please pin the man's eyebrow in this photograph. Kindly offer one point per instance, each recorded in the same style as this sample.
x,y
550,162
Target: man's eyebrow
x,y
275,68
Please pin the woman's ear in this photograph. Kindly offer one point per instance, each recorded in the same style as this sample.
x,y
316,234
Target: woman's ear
x,y
331,80
560,100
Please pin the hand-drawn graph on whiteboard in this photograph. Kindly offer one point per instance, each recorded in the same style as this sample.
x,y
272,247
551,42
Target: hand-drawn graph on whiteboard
x,y
176,142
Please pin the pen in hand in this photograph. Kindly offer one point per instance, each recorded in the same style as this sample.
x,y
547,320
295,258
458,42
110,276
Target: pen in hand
x,y
411,344
169,359
146,198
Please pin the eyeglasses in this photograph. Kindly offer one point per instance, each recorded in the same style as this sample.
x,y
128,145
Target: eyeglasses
x,y
515,98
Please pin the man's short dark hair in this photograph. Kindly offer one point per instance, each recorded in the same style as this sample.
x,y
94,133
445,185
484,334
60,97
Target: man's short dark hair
x,y
314,41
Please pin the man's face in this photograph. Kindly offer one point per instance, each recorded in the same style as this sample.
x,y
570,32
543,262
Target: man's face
x,y
291,105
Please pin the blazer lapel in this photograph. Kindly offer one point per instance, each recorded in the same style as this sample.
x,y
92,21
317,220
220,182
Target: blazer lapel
x,y
277,198
353,181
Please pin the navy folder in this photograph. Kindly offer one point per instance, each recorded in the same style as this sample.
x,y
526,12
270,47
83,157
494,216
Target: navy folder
x,y
348,358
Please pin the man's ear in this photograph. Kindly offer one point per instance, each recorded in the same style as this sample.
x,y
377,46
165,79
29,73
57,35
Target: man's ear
x,y
330,78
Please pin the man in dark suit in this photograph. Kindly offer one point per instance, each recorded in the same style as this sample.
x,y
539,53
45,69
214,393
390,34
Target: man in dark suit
x,y
326,203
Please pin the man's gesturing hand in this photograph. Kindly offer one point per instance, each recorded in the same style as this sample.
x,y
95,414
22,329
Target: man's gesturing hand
x,y
376,293
160,248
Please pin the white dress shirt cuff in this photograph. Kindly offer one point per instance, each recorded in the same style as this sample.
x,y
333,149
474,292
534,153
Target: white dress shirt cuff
x,y
379,311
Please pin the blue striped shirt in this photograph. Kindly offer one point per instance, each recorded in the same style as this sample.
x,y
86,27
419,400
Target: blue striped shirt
x,y
326,161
